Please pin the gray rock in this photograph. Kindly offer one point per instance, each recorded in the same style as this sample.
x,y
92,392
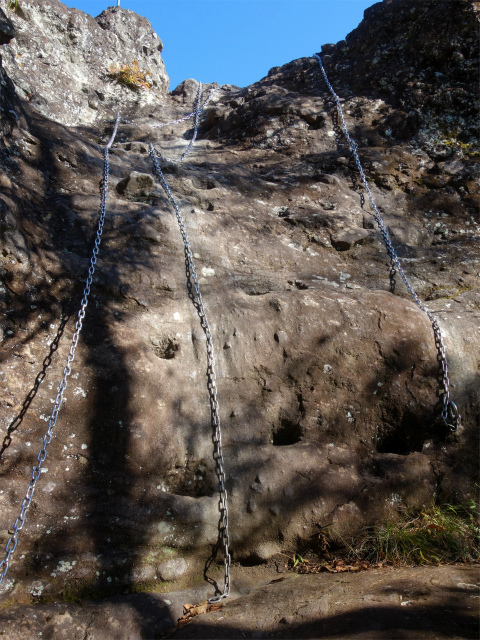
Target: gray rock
x,y
81,50
144,573
266,550
172,569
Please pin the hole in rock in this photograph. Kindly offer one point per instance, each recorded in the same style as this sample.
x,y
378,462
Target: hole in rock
x,y
250,561
165,347
205,183
319,123
195,480
403,438
287,432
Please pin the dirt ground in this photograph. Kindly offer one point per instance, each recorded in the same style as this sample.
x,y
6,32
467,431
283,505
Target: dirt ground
x,y
426,603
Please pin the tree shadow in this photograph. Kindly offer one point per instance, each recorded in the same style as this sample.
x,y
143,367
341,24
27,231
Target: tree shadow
x,y
17,421
379,622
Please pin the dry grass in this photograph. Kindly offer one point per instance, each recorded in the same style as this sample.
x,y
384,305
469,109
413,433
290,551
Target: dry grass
x,y
440,534
130,75
435,535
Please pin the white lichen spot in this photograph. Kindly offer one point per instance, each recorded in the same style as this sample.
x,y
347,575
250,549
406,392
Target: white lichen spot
x,y
84,446
207,272
394,499
78,391
350,418
327,368
164,527
37,589
109,579
64,566
176,316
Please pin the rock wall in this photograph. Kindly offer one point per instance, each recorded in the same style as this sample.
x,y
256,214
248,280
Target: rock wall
x,y
65,75
327,372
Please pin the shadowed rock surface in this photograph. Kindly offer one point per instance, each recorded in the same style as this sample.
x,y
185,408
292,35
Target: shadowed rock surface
x,y
422,602
327,381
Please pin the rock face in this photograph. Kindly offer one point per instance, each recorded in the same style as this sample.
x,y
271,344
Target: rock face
x,y
8,99
65,75
326,370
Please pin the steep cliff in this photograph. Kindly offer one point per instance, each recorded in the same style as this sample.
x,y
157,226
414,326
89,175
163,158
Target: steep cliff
x,y
327,372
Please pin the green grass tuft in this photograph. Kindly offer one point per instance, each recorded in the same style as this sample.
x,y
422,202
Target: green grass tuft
x,y
435,535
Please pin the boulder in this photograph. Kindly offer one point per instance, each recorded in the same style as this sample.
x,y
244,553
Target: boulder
x,y
136,185
172,569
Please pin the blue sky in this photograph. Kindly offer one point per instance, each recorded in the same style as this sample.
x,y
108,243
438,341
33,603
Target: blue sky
x,y
238,41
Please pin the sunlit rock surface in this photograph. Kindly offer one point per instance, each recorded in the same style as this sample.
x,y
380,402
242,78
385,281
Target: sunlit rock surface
x,y
326,370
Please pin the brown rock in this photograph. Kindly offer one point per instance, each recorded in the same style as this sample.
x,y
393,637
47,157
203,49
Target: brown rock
x,y
348,238
136,185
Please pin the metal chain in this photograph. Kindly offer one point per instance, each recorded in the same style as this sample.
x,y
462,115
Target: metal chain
x,y
196,112
195,127
37,470
190,115
450,413
194,292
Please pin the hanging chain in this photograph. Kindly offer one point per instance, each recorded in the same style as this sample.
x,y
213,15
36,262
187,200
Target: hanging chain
x,y
194,292
450,413
37,470
194,112
195,127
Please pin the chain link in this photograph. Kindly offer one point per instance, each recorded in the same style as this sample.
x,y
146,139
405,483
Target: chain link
x,y
450,413
37,470
194,292
194,112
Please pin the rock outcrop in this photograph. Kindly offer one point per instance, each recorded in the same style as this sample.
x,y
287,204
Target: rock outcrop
x,y
60,60
326,370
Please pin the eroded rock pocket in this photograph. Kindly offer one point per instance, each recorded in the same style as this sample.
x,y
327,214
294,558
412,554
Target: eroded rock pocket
x,y
165,347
